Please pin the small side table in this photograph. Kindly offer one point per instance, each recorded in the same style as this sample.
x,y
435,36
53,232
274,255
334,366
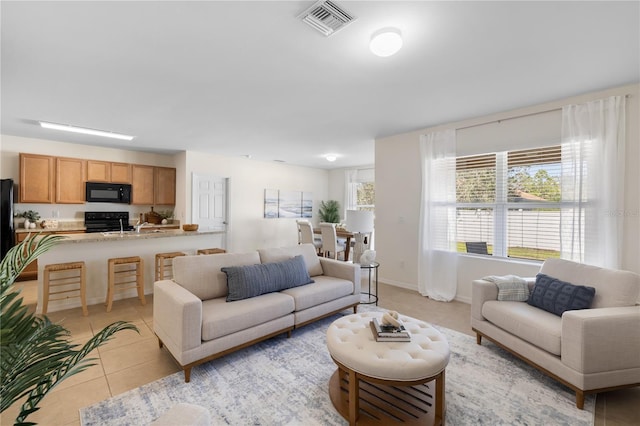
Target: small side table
x,y
371,297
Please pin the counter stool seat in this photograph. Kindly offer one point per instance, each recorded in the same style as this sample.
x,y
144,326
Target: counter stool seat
x,y
125,273
211,251
164,265
65,281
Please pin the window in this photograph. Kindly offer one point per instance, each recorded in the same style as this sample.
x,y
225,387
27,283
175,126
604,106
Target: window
x,y
360,192
366,195
510,201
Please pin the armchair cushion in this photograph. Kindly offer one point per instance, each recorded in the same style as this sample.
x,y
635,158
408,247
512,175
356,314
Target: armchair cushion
x,y
557,296
253,280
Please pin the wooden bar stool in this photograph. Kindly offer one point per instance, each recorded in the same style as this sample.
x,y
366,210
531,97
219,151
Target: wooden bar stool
x,y
211,251
125,273
63,278
164,265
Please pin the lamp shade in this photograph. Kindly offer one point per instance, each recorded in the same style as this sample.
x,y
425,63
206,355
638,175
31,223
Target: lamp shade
x,y
360,220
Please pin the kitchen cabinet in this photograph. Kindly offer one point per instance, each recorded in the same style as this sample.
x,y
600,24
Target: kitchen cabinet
x,y
37,179
142,184
105,171
71,174
98,171
165,186
120,173
48,179
30,272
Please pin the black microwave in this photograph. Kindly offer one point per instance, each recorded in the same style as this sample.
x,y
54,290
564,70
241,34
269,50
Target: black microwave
x,y
100,192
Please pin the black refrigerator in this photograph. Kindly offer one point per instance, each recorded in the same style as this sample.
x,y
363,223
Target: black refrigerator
x,y
7,237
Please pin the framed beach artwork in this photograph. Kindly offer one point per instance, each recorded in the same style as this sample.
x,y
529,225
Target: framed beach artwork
x,y
287,204
307,205
270,203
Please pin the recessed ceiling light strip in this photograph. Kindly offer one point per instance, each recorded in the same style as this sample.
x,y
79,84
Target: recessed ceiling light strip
x,y
85,131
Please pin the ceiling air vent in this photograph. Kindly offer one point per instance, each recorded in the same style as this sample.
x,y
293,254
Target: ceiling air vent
x,y
326,17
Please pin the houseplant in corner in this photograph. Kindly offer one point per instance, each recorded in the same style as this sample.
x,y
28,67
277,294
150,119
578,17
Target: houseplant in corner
x,y
329,211
35,354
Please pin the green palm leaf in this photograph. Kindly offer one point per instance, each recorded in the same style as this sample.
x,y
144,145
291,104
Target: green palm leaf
x,y
36,354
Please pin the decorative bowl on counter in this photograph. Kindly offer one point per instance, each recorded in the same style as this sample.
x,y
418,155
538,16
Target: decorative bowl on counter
x,y
190,227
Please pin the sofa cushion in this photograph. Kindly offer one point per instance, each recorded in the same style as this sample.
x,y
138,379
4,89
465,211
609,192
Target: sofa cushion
x,y
557,296
220,318
201,274
614,288
324,290
253,280
308,251
540,328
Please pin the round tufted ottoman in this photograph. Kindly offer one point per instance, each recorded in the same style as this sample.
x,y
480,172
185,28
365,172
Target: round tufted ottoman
x,y
386,369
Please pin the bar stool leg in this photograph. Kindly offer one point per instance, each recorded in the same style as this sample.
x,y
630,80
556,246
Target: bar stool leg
x,y
83,290
140,281
45,292
110,287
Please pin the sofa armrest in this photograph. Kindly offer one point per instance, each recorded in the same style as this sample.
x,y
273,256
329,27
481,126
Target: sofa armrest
x,y
604,339
177,315
344,270
481,291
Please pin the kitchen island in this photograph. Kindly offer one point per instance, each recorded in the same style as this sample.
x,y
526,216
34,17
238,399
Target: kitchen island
x,y
96,248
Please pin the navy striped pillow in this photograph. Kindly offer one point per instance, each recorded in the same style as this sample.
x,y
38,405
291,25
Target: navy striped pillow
x,y
248,281
557,296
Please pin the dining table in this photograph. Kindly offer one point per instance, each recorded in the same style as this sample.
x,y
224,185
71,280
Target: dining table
x,y
341,233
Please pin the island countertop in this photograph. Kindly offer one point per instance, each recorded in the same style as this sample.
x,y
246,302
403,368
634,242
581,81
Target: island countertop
x,y
94,249
132,235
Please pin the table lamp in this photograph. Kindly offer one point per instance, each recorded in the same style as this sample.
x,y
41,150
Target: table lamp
x,y
360,222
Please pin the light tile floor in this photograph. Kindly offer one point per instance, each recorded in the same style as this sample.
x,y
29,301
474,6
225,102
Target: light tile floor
x,y
131,360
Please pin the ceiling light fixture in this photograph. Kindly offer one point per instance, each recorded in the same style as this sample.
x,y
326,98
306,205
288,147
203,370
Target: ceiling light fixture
x,y
386,42
85,131
330,158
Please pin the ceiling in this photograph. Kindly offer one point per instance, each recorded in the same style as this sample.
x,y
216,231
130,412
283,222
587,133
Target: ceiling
x,y
249,78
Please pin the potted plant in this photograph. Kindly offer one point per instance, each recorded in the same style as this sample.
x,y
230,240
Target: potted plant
x,y
30,218
166,215
329,211
35,354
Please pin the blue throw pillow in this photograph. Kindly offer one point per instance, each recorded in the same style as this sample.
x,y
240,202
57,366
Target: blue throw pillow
x,y
557,296
248,281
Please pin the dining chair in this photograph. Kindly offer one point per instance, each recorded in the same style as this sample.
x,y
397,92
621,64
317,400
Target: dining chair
x,y
330,245
305,235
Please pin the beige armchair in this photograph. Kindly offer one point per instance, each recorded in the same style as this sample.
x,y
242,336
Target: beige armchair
x,y
589,350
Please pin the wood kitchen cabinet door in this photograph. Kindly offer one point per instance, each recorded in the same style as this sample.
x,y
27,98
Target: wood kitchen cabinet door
x,y
165,186
71,175
98,171
37,178
120,173
142,184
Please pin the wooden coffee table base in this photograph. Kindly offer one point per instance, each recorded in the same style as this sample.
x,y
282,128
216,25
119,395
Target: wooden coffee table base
x,y
381,402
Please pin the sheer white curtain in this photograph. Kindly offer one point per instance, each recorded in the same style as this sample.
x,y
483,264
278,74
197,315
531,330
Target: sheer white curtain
x,y
350,190
593,145
437,267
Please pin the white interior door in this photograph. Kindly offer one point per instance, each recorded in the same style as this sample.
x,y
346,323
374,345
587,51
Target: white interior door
x,y
209,202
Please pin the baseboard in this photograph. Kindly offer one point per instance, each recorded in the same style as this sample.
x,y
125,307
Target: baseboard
x,y
400,284
413,287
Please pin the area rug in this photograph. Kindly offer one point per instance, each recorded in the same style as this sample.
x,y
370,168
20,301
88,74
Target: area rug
x,y
285,382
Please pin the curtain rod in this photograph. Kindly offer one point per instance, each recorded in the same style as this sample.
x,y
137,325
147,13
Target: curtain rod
x,y
627,96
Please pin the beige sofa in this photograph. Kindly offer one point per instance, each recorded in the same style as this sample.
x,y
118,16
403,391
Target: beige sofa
x,y
589,350
193,320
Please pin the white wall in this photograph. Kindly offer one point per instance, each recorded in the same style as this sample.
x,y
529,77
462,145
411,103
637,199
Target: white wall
x,y
12,146
398,178
248,230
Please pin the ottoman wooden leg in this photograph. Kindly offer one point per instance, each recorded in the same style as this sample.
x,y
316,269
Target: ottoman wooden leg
x,y
440,402
354,398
